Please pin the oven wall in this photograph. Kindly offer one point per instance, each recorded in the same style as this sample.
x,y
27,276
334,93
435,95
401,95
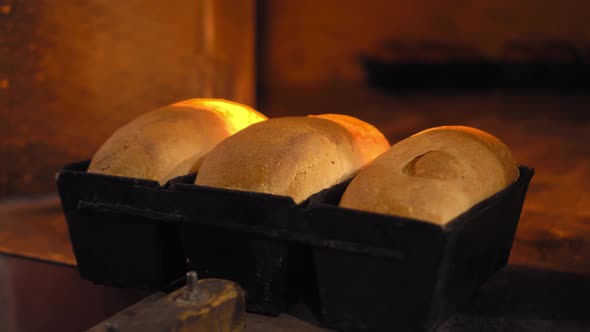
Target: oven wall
x,y
317,43
72,72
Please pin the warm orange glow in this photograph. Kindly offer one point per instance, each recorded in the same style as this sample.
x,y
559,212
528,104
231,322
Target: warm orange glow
x,y
172,140
237,116
370,141
5,9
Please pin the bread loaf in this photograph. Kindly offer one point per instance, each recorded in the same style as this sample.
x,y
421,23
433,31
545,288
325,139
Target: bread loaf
x,y
292,156
434,175
171,141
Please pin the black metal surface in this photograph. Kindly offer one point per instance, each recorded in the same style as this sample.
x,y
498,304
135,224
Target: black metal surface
x,y
355,270
240,236
134,233
249,238
522,67
224,205
412,274
118,237
257,263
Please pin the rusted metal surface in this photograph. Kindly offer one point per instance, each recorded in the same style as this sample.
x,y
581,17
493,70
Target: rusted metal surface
x,y
217,306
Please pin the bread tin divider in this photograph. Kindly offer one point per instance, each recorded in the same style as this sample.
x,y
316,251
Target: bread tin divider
x,y
241,236
382,273
118,236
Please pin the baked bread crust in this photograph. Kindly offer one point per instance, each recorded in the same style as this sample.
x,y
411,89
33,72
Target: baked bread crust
x,y
171,141
368,140
434,175
289,156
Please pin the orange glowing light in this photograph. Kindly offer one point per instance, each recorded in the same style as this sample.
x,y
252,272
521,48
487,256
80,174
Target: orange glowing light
x,y
237,116
369,140
171,141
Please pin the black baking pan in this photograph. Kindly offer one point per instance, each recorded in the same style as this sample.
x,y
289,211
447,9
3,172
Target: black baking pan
x,y
239,236
384,273
118,236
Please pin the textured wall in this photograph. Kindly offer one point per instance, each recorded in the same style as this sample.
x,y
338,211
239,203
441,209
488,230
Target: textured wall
x,y
312,43
71,72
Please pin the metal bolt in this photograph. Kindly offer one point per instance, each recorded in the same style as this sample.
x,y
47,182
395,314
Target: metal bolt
x,y
191,293
191,283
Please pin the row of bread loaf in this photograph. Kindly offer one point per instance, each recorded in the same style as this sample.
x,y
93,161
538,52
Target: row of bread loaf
x,y
433,176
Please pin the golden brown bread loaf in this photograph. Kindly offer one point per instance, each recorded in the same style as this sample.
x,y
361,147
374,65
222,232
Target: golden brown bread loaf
x,y
171,141
292,156
368,140
434,175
